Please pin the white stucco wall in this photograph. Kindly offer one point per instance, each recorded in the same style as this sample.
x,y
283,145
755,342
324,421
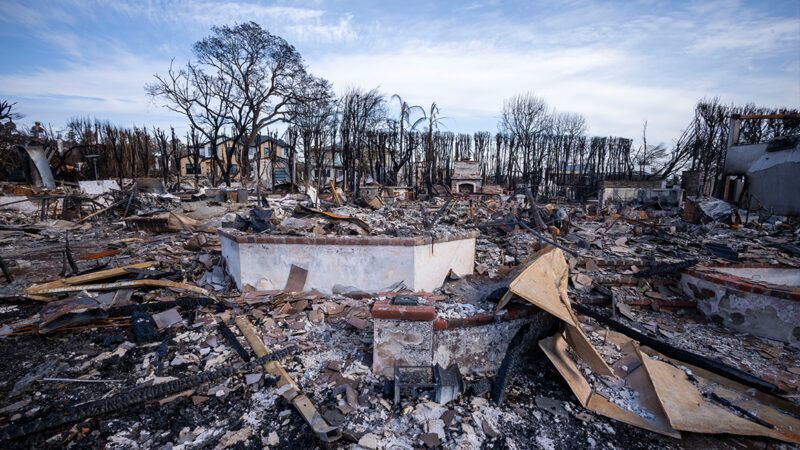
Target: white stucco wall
x,y
778,276
230,251
95,188
432,263
368,267
630,194
618,194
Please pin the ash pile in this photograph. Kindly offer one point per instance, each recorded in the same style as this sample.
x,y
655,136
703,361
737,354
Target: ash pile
x,y
577,325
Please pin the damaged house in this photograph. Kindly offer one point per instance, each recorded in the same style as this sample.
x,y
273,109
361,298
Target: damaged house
x,y
752,170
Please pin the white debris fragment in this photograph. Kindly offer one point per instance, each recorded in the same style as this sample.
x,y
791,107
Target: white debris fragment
x,y
370,441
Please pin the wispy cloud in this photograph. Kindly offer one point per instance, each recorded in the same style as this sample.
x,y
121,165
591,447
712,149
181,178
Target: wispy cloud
x,y
470,81
316,32
748,36
617,63
304,24
107,89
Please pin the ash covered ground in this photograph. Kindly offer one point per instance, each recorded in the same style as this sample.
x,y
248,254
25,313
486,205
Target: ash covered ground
x,y
86,355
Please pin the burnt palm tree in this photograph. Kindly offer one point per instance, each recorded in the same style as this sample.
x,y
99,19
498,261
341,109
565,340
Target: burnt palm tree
x,y
434,120
406,111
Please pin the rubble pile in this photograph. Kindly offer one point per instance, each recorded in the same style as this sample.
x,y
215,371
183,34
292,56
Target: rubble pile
x,y
120,326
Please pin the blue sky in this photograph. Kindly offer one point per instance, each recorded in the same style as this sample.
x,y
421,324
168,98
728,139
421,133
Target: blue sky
x,y
617,63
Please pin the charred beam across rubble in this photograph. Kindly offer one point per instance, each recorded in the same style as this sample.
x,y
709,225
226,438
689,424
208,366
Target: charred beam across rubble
x,y
133,397
183,303
704,362
660,269
234,343
6,272
546,239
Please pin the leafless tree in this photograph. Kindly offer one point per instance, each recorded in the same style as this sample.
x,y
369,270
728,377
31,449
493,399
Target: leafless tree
x,y
176,152
267,75
360,112
9,136
193,141
648,155
7,113
203,98
523,117
315,123
160,137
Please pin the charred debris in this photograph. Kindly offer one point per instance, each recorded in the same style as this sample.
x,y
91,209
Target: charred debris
x,y
135,314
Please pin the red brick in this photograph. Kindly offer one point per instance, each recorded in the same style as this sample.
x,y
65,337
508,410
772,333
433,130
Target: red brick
x,y
707,293
518,311
385,310
758,289
440,324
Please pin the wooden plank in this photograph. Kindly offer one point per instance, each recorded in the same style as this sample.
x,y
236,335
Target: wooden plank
x,y
122,285
585,350
287,386
89,277
544,283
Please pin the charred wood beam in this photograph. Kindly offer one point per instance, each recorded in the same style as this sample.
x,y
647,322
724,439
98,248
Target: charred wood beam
x,y
537,218
234,343
132,397
68,254
6,272
664,269
546,239
725,402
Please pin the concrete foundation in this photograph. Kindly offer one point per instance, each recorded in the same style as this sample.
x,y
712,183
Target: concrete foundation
x,y
413,335
640,191
370,263
98,187
19,203
760,300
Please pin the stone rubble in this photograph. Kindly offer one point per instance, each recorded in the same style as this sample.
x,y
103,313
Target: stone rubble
x,y
333,335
